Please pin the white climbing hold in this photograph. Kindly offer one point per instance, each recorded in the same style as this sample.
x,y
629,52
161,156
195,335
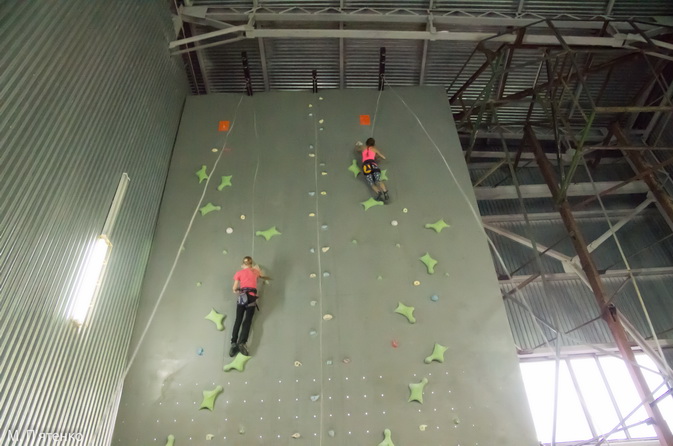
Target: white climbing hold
x,y
296,435
328,362
397,245
346,360
331,433
323,192
315,398
314,303
405,210
379,278
310,114
213,150
312,275
210,437
241,429
310,105
321,121
242,217
311,155
313,332
230,230
323,173
312,250
311,194
224,251
394,222
311,214
310,146
320,98
422,427
327,317
434,298
325,274
321,129
322,164
325,248
297,364
417,282
323,227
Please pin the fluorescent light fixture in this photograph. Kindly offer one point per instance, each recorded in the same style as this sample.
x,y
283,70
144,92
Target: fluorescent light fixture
x,y
92,277
94,270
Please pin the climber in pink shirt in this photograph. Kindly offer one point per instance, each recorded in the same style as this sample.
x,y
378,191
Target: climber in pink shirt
x,y
245,287
370,169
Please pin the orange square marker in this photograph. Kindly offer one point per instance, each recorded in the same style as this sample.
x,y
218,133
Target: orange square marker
x,y
364,120
224,126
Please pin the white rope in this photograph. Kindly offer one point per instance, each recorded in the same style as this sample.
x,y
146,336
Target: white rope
x,y
254,179
172,270
319,273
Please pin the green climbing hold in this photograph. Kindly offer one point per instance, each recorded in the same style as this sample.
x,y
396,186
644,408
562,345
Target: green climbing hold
x,y
384,177
429,263
387,441
268,233
354,168
437,354
226,181
438,225
210,207
171,440
371,202
406,311
202,174
238,363
217,319
416,390
209,397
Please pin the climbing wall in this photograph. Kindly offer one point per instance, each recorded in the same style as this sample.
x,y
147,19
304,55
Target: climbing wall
x,y
382,324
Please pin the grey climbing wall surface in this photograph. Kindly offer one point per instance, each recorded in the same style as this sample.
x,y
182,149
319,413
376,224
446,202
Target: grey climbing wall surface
x,y
335,357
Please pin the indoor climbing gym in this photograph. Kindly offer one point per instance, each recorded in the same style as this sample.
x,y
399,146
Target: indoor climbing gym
x,y
336,223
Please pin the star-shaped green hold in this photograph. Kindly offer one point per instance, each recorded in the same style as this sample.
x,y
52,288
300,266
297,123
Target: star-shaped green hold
x,y
226,181
217,319
238,363
268,233
406,311
210,207
354,168
429,263
437,354
416,390
202,174
438,226
371,202
384,177
387,441
209,397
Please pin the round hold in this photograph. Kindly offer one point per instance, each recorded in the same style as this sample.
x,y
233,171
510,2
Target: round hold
x,y
355,242
434,298
224,251
213,150
311,194
331,433
311,214
394,222
323,193
422,427
321,129
394,343
312,275
230,230
405,210
325,274
323,227
242,217
310,146
310,105
321,121
456,420
200,351
397,245
313,332
327,317
210,437
297,364
311,155
198,284
320,98
310,114
417,282
323,173
328,362
314,303
312,250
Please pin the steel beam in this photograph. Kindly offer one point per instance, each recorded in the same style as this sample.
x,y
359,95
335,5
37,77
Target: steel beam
x,y
658,422
540,190
664,201
527,242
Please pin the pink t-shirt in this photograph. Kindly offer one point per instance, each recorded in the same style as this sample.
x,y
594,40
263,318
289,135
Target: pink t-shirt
x,y
247,277
368,155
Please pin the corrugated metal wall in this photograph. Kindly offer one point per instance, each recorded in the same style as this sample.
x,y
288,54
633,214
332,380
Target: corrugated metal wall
x,y
87,91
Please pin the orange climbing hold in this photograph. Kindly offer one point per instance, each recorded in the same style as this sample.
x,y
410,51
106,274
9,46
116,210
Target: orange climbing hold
x,y
224,126
364,120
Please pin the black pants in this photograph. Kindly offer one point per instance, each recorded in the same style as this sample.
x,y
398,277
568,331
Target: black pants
x,y
241,311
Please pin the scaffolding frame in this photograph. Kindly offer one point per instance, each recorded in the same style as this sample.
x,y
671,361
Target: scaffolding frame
x,y
565,103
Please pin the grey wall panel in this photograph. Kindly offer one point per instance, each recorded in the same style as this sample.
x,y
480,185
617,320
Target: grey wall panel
x,y
273,172
88,91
